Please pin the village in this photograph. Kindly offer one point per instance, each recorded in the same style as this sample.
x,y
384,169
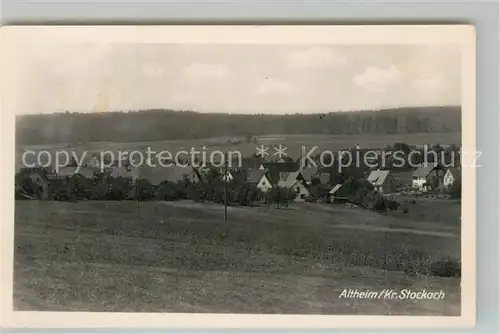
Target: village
x,y
257,181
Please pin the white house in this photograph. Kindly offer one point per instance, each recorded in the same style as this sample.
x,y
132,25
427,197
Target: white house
x,y
295,181
451,176
382,181
260,179
227,176
428,176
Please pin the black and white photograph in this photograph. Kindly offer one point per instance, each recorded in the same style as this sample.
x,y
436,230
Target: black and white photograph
x,y
240,171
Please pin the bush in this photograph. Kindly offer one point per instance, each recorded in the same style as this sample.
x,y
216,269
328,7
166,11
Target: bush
x,y
446,268
391,205
455,190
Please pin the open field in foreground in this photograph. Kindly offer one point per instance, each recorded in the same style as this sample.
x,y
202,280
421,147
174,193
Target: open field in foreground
x,y
182,257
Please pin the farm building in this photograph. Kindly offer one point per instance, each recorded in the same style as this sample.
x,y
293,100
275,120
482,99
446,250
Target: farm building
x,y
227,175
261,179
310,174
428,176
382,181
451,176
335,194
294,181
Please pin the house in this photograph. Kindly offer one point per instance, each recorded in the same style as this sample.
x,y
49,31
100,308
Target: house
x,y
428,176
382,181
451,176
227,176
310,174
335,194
294,181
261,179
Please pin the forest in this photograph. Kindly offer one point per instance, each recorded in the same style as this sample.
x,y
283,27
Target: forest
x,y
164,124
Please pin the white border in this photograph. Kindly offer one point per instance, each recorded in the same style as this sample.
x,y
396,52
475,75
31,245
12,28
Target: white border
x,y
463,35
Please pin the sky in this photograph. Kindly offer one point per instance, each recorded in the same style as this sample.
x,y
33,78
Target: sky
x,y
98,77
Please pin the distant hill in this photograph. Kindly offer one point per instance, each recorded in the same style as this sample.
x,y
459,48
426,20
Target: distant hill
x,y
157,125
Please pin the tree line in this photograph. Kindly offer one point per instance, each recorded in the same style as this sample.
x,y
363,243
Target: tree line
x,y
158,125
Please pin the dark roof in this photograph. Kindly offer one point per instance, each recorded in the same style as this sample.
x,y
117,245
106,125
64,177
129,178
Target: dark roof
x,y
254,176
288,180
309,173
378,177
425,169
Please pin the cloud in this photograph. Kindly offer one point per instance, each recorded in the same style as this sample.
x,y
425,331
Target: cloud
x,y
153,70
316,57
434,83
273,86
199,71
377,77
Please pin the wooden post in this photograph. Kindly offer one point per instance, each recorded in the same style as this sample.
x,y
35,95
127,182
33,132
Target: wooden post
x,y
225,187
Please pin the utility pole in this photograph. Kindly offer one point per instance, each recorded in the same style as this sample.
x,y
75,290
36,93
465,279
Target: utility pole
x,y
225,187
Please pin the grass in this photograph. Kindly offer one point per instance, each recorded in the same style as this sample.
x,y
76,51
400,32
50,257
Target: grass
x,y
181,257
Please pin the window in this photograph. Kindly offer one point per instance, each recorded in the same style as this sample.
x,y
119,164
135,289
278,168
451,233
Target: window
x,y
297,190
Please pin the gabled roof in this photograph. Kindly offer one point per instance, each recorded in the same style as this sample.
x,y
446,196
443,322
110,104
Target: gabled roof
x,y
335,189
309,173
425,169
291,180
254,176
378,177
283,176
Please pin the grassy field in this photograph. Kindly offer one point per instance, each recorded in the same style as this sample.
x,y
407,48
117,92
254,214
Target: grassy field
x,y
182,257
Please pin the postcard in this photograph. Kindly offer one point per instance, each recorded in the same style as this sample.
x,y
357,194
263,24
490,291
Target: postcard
x,y
238,176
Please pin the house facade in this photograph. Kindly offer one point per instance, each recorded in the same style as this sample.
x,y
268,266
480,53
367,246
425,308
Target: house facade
x,y
301,191
382,181
335,194
295,181
261,179
428,177
451,176
264,184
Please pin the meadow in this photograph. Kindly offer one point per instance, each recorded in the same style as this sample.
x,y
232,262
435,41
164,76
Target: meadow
x,y
182,257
